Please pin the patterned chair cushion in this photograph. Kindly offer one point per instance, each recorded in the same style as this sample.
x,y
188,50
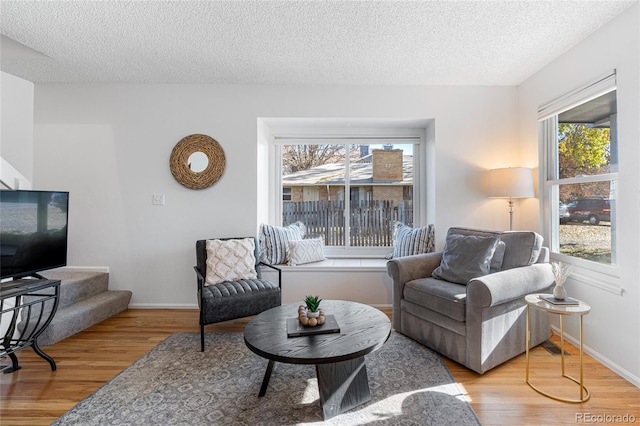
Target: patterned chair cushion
x,y
230,260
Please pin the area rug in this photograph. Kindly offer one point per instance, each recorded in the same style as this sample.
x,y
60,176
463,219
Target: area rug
x,y
176,384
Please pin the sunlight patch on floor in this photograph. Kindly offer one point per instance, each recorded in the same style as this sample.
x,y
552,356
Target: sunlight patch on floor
x,y
464,395
311,393
392,406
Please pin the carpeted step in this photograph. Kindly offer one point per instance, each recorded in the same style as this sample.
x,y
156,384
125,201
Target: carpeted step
x,y
76,317
77,284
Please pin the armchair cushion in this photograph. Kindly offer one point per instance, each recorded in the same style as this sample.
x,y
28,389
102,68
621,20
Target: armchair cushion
x,y
439,296
230,260
523,248
498,257
466,257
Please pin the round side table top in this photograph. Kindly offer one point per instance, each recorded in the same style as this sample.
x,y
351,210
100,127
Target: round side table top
x,y
534,300
363,329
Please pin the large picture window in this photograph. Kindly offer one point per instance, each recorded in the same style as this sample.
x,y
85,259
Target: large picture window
x,y
347,180
581,174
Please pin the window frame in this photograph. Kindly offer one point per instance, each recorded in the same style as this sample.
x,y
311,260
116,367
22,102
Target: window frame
x,y
345,135
598,274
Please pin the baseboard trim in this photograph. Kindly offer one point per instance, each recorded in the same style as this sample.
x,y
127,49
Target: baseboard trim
x,y
620,371
162,306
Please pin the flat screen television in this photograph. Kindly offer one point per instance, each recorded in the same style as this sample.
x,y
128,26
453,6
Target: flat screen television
x,y
33,231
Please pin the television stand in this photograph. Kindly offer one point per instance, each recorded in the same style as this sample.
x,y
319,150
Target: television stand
x,y
36,302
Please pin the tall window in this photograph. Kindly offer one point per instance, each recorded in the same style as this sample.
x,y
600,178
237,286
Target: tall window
x,y
580,137
349,193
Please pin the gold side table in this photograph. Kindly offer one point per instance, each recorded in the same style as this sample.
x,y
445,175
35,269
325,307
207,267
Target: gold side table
x,y
581,309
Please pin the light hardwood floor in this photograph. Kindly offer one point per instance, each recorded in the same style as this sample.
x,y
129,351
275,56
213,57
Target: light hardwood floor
x,y
35,395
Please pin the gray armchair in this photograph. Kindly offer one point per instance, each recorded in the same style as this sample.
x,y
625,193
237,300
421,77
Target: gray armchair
x,y
479,323
240,298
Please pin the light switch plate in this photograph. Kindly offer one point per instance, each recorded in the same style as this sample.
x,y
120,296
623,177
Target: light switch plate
x,y
157,200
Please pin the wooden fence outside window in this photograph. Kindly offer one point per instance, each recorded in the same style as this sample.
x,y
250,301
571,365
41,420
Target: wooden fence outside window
x,y
370,222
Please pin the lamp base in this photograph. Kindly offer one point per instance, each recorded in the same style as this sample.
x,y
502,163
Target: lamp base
x,y
511,205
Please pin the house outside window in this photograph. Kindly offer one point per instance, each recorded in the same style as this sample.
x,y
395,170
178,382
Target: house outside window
x,y
579,134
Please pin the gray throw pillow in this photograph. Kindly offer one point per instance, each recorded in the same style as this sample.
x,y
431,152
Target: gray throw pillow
x,y
466,257
498,257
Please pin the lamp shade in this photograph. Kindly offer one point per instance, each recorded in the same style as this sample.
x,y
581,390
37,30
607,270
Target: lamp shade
x,y
511,182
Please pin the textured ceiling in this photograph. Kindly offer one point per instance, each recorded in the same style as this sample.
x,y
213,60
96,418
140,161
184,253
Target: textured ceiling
x,y
293,42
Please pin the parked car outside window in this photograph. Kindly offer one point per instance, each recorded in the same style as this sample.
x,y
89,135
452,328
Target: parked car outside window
x,y
592,209
563,213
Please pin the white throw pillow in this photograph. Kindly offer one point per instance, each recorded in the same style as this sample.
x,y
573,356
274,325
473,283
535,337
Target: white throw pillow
x,y
306,251
230,260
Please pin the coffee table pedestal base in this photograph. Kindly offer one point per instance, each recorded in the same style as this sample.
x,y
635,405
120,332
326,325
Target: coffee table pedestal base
x,y
342,386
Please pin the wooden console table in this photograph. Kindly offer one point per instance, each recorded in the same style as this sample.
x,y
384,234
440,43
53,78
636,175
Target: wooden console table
x,y
36,302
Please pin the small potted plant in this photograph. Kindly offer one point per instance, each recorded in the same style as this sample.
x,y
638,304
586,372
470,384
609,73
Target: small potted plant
x,y
313,303
310,313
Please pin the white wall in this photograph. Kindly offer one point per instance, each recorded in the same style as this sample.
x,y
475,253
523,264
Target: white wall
x,y
16,131
109,145
611,329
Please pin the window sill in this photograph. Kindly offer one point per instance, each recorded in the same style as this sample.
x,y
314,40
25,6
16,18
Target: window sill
x,y
603,277
339,264
601,281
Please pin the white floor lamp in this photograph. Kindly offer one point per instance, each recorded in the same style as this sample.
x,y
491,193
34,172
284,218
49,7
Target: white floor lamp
x,y
511,182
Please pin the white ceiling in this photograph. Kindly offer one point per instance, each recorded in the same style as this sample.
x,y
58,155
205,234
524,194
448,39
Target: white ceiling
x,y
293,42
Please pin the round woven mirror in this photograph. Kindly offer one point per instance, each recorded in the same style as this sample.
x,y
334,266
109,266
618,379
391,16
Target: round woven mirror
x,y
197,161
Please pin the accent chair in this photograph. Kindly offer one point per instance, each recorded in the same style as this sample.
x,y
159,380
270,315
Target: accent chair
x,y
467,301
230,284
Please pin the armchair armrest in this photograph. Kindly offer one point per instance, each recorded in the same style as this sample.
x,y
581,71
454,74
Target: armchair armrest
x,y
405,269
504,286
277,269
199,277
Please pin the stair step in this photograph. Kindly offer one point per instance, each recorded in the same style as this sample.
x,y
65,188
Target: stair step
x,y
74,318
77,284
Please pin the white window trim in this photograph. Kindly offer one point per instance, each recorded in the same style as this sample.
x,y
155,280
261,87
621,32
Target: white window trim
x,y
605,277
349,135
582,94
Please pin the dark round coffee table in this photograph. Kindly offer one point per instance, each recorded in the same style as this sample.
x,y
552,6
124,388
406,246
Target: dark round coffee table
x,y
339,357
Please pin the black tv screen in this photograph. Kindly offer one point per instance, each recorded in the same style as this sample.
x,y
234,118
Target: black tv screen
x,y
33,231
